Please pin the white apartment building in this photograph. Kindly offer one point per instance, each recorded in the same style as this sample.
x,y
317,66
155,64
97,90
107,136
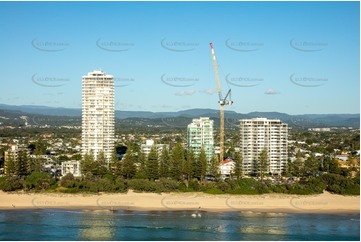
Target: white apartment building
x,y
200,134
72,167
98,114
148,146
259,133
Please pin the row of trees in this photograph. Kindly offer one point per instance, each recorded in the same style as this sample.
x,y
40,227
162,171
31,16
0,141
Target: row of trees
x,y
21,172
327,142
331,182
313,167
175,169
175,163
21,165
24,172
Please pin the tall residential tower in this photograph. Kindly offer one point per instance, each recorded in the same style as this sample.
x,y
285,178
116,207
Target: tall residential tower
x,y
259,133
98,114
200,134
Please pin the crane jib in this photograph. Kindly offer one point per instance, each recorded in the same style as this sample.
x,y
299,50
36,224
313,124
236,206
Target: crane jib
x,y
222,102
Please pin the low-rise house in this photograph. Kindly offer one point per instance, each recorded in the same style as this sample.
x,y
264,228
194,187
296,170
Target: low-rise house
x,y
226,168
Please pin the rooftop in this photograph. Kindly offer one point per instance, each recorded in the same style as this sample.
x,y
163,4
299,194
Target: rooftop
x,y
98,73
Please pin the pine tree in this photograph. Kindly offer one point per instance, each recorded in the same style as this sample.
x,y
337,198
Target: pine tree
x,y
188,164
10,165
88,165
297,167
263,163
116,165
238,168
129,167
177,161
40,148
36,164
152,165
202,163
142,166
101,166
22,164
164,162
214,166
195,169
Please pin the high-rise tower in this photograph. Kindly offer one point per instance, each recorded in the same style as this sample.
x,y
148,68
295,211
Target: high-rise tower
x,y
200,134
98,114
261,133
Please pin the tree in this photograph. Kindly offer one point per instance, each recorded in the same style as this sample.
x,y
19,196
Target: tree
x,y
68,181
38,180
63,158
88,165
188,164
263,163
40,147
36,164
152,165
177,161
11,183
202,163
142,166
102,166
195,167
129,167
311,166
238,168
76,157
10,165
91,167
2,157
23,164
299,154
164,161
230,152
117,165
19,166
297,167
214,166
289,168
334,166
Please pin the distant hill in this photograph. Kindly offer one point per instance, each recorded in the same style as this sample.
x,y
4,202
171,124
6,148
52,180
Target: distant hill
x,y
44,110
181,117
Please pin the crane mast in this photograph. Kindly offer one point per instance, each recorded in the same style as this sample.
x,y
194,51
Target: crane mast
x,y
222,102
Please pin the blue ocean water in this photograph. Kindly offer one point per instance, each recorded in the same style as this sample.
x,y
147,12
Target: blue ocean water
x,y
52,224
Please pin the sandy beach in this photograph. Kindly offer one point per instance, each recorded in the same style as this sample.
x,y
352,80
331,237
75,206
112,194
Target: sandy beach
x,y
267,203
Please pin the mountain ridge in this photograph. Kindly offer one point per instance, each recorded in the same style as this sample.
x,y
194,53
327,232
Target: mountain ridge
x,y
352,120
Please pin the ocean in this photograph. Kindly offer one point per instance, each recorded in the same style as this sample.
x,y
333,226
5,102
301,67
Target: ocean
x,y
54,224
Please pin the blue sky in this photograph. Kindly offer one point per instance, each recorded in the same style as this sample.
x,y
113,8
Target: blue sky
x,y
292,57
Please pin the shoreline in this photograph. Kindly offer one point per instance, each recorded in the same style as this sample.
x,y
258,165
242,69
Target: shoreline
x,y
275,204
